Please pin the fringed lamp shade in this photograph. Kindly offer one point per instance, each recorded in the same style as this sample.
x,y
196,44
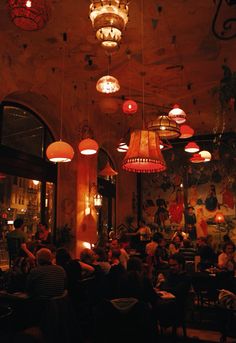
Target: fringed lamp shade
x,y
29,15
166,127
206,155
107,84
130,107
88,146
186,131
144,154
191,147
197,158
108,171
60,151
177,114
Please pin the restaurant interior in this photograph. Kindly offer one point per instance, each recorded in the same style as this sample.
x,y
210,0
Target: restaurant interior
x,y
117,124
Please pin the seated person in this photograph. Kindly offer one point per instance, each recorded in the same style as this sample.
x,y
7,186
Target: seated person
x,y
176,243
124,256
46,280
161,255
101,259
227,259
188,251
206,253
43,235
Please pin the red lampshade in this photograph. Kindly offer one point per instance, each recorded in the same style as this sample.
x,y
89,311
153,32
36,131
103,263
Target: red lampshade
x,y
129,107
186,131
29,15
191,147
144,154
177,114
60,151
108,171
197,158
88,146
219,218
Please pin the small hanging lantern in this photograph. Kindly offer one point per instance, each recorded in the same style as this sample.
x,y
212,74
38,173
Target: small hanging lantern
x,y
186,131
166,127
88,146
144,154
191,147
130,107
196,158
177,114
206,155
97,202
107,170
219,218
60,151
29,15
107,84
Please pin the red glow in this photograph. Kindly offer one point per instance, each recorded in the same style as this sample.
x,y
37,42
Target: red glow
x,y
219,218
130,107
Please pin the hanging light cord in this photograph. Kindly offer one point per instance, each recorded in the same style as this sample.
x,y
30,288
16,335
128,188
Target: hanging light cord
x,y
63,80
143,73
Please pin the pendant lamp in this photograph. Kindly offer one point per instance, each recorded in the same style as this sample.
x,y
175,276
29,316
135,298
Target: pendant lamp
x,y
107,170
186,131
177,114
196,158
122,146
166,127
29,15
60,151
130,107
88,146
206,155
144,154
107,84
191,147
219,218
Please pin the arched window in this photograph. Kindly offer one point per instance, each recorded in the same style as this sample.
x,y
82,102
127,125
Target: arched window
x,y
27,179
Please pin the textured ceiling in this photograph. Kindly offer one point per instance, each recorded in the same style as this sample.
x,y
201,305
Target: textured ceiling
x,y
181,60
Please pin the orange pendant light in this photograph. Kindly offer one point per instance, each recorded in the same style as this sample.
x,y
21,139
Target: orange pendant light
x,y
144,154
197,158
219,218
186,131
60,151
165,126
191,147
88,146
108,171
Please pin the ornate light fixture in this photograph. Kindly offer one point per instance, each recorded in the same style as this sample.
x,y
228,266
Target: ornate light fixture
x,y
88,146
107,171
206,155
144,154
29,15
191,147
109,19
97,202
177,114
107,84
130,107
122,146
186,131
196,158
166,127
60,151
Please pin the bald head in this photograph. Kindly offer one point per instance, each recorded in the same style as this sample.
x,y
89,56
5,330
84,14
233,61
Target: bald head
x,y
44,256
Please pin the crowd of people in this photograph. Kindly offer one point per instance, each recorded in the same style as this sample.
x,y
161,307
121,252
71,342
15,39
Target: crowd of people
x,y
114,279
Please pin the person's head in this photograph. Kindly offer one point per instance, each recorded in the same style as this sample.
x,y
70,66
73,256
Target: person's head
x,y
202,241
114,255
115,244
43,256
18,223
134,264
229,248
178,239
100,254
43,226
176,263
87,256
62,256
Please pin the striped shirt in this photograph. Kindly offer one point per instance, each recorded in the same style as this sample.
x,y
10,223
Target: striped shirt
x,y
46,281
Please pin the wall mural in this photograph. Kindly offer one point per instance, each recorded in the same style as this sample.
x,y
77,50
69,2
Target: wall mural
x,y
211,187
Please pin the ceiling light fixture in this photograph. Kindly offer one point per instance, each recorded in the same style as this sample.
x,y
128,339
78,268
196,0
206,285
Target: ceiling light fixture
x,y
107,84
186,131
177,114
61,151
88,146
29,15
191,147
130,107
165,127
122,146
109,19
107,171
206,155
197,158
